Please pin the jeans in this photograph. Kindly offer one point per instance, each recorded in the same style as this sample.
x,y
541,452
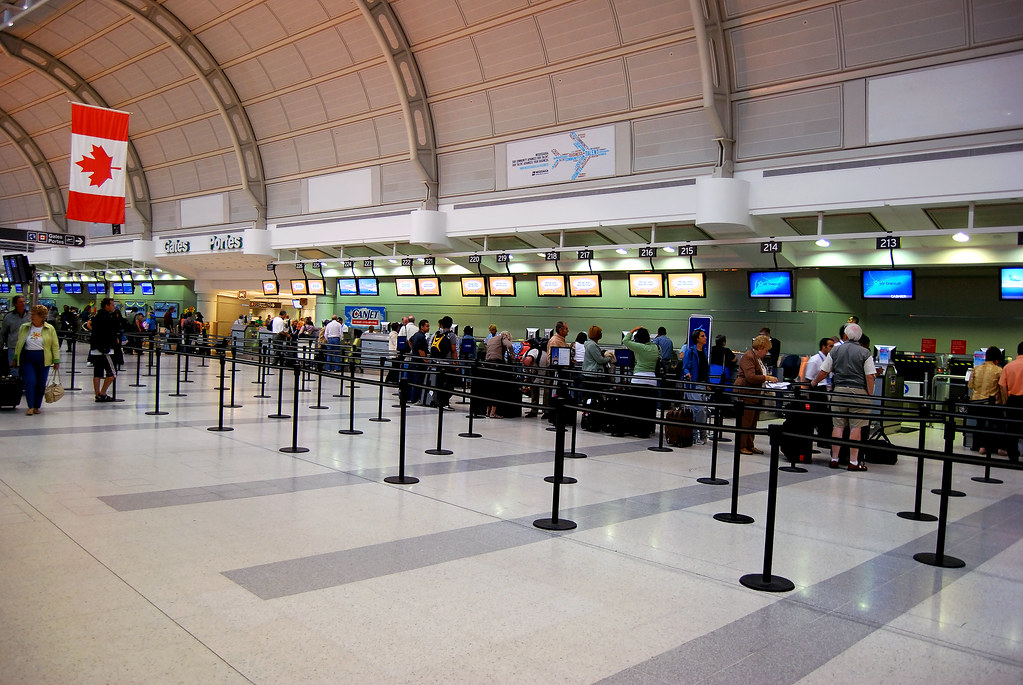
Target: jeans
x,y
34,373
333,358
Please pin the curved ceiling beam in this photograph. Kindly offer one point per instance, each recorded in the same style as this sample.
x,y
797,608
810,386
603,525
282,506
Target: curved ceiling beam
x,y
51,67
715,76
408,81
36,160
220,88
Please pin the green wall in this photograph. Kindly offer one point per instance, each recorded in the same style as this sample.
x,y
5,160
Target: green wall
x,y
960,303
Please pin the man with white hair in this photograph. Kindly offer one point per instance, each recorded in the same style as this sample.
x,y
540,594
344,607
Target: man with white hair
x,y
852,370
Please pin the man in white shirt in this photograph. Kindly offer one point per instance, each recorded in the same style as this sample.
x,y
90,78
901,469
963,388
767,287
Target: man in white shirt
x,y
819,400
408,329
332,333
282,332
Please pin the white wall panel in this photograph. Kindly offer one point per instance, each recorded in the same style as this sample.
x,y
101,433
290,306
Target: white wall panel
x,y
791,47
449,65
425,20
980,95
664,75
284,199
675,140
878,30
509,48
315,151
400,182
580,27
522,106
356,142
591,90
640,19
468,171
207,210
476,11
810,120
997,20
463,118
341,191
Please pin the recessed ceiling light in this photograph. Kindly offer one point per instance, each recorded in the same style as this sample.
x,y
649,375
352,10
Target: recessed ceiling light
x,y
961,237
392,261
823,242
669,248
622,250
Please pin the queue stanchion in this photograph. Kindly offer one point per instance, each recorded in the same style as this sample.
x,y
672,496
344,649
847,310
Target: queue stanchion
x,y
938,556
916,514
986,478
294,447
156,393
113,390
177,376
152,343
733,516
573,453
555,522
234,369
401,478
351,430
319,390
138,371
261,369
305,371
261,359
470,433
280,394
949,433
792,466
439,450
185,352
74,345
765,581
719,419
220,427
341,381
380,418
659,447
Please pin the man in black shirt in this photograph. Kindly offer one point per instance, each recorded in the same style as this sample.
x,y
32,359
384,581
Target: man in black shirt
x,y
419,346
103,346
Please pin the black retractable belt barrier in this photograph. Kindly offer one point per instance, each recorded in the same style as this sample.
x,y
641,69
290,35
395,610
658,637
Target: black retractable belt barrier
x,y
380,418
319,391
220,427
572,453
734,516
113,390
234,369
185,352
74,345
764,581
177,376
305,372
659,447
949,424
475,374
718,421
156,393
916,514
938,557
401,478
138,371
280,394
152,343
554,522
351,430
986,478
261,370
564,410
294,448
439,450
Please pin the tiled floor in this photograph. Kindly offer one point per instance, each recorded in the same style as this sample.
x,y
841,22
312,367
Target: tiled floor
x,y
146,549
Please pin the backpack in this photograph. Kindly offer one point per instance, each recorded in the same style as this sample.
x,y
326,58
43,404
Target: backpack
x,y
440,346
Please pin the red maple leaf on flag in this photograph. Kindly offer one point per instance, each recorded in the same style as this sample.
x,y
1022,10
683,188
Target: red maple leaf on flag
x,y
98,166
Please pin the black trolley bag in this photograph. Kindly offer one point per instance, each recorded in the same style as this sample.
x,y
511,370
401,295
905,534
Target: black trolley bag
x,y
798,450
878,438
11,390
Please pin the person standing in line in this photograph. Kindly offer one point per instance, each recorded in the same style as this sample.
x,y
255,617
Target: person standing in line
x,y
1011,383
168,322
854,373
774,355
37,349
17,317
443,347
420,348
644,376
819,399
696,367
752,375
493,332
578,351
499,349
722,357
104,345
984,389
332,334
664,344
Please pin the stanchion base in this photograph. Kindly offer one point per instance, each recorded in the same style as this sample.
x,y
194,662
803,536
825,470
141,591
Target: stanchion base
x,y
755,581
916,516
233,406
565,480
178,394
950,493
574,455
470,435
293,450
401,480
187,381
116,399
72,389
792,469
986,479
723,439
551,524
659,449
380,419
318,406
220,429
157,413
729,517
350,431
278,416
712,481
931,559
262,397
339,395
552,429
305,389
438,451
136,385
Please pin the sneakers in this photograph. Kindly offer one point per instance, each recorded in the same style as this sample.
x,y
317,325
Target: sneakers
x,y
104,398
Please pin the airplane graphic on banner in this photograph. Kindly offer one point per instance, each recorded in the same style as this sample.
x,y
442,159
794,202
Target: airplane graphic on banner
x,y
590,154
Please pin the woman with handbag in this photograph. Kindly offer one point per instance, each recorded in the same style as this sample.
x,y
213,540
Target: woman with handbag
x,y
37,350
752,374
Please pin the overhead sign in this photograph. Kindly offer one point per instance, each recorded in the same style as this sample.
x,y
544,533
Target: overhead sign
x,y
42,238
570,156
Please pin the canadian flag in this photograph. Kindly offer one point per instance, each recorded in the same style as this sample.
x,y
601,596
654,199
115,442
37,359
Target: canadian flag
x,y
99,149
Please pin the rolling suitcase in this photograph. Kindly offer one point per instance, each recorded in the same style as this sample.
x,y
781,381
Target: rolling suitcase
x,y
678,436
11,390
798,450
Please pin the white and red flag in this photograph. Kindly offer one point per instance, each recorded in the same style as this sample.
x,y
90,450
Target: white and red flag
x,y
99,150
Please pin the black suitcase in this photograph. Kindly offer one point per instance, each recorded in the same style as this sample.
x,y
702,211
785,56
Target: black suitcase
x,y
876,456
679,436
11,390
798,450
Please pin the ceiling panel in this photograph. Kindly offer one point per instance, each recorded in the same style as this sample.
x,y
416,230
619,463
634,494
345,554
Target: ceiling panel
x,y
641,19
836,224
984,216
476,11
791,47
449,66
522,106
423,21
461,119
510,48
324,52
878,30
355,142
591,90
664,75
577,28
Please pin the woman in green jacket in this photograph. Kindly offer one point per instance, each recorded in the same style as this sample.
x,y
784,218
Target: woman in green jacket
x,y
37,350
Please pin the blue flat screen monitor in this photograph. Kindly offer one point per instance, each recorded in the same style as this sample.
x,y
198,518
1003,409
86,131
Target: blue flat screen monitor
x,y
770,284
54,288
347,286
887,284
5,287
92,288
17,288
1012,283
147,288
118,288
368,286
128,288
77,288
101,288
69,288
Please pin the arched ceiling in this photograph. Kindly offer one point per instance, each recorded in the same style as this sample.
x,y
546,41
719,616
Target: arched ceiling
x,y
251,98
